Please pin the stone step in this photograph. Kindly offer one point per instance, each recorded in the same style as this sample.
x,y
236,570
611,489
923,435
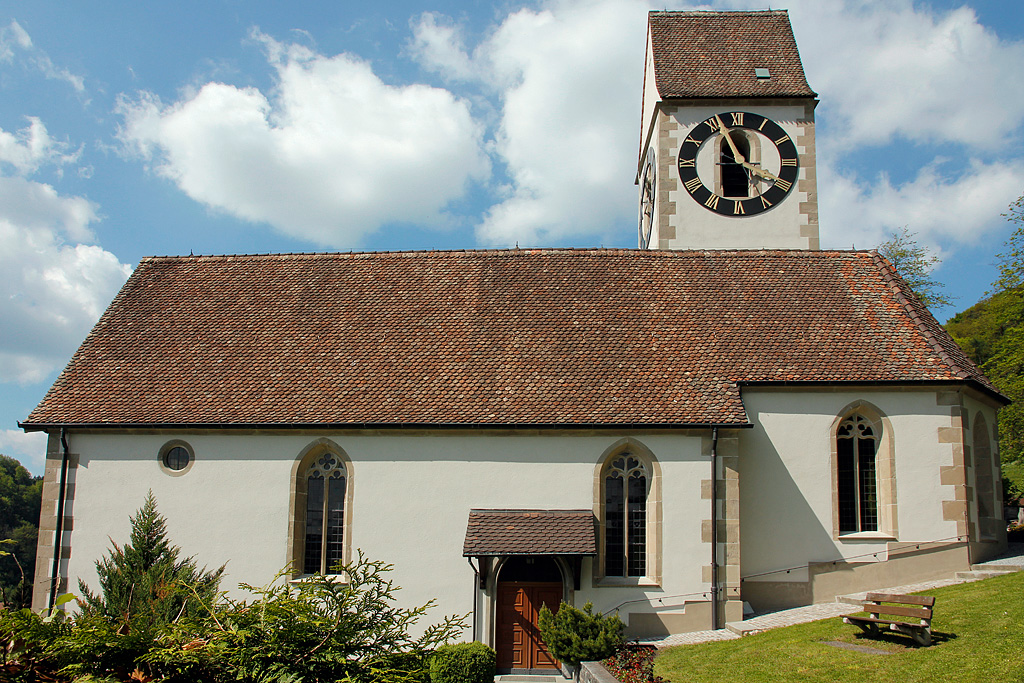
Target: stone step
x,y
853,599
742,628
974,575
1001,568
527,678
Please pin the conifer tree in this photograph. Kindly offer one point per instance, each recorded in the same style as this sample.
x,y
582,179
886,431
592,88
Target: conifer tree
x,y
144,584
573,635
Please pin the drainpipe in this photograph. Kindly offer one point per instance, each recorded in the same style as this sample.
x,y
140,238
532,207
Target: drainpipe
x,y
476,580
714,528
59,532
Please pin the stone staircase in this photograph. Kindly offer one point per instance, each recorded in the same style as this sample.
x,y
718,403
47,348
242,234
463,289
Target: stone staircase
x,y
987,571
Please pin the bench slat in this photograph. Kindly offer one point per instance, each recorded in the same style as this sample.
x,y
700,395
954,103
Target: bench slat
x,y
926,600
867,620
918,612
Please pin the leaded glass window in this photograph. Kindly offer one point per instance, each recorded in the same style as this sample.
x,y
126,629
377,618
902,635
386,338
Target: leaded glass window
x,y
325,514
625,515
856,450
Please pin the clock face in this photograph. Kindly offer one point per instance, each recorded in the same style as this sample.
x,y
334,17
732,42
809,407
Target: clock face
x,y
738,164
647,186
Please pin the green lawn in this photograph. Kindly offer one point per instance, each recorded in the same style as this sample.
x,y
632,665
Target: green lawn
x,y
978,632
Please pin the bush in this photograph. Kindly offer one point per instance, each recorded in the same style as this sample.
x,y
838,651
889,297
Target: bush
x,y
575,636
463,663
159,619
316,630
633,664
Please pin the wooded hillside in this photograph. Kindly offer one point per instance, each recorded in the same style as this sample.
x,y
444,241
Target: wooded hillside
x,y
991,332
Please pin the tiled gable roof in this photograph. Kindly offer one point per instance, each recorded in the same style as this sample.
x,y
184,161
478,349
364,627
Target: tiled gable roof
x,y
714,54
491,338
530,532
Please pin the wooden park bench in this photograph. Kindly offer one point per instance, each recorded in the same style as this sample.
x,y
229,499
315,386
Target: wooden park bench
x,y
917,607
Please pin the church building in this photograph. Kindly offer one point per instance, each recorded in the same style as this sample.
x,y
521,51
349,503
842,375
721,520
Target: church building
x,y
727,414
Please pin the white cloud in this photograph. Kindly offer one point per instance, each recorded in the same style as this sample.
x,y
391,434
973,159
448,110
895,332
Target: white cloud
x,y
15,40
52,291
12,37
27,448
439,45
569,79
330,156
32,146
898,68
942,210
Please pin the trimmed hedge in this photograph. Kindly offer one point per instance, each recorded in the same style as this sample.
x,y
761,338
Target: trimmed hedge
x,y
463,663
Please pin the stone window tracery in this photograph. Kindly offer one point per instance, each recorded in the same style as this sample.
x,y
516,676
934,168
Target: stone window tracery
x,y
326,481
856,449
626,482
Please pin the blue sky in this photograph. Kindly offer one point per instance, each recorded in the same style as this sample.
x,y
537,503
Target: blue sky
x,y
130,129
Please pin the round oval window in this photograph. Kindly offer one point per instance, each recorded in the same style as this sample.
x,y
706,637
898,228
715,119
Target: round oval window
x,y
176,458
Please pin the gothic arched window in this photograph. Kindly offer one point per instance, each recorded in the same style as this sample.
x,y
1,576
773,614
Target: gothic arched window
x,y
856,447
984,482
324,546
626,482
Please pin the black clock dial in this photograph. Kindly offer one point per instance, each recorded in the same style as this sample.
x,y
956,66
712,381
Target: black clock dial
x,y
767,185
647,186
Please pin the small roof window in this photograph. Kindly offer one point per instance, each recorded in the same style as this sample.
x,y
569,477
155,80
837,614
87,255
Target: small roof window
x,y
762,73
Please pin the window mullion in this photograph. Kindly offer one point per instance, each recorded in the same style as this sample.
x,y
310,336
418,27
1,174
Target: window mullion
x,y
856,480
325,526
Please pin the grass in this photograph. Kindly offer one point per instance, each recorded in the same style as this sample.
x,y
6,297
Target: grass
x,y
977,630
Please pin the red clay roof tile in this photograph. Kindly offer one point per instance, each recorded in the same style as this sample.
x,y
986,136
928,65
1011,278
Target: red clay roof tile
x,y
505,337
714,54
530,532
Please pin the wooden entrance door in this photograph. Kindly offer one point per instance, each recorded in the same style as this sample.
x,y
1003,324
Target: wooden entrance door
x,y
520,648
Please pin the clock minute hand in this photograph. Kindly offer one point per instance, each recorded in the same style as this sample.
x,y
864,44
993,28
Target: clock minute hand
x,y
732,145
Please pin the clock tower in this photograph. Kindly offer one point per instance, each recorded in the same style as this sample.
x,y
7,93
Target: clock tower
x,y
726,156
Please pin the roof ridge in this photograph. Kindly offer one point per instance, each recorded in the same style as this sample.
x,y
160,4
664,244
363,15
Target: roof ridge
x,y
896,283
711,12
513,251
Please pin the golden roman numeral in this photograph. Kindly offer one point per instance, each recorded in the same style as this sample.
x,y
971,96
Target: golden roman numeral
x,y
763,121
789,162
737,209
783,185
782,139
712,201
692,184
764,202
737,118
687,163
690,138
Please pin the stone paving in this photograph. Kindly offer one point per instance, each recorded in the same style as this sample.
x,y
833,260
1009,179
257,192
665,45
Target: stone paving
x,y
843,605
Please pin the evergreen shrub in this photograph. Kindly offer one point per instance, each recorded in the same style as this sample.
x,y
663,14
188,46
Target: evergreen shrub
x,y
463,663
573,635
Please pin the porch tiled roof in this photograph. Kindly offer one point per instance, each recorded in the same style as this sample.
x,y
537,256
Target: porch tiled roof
x,y
497,338
714,54
530,532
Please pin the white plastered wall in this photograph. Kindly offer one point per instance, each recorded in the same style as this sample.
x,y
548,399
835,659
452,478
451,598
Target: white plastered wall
x,y
683,223
786,483
411,501
989,536
648,140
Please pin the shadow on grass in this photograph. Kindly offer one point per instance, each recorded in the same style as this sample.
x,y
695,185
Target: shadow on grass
x,y
903,640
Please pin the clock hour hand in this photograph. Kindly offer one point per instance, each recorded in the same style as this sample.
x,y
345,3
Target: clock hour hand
x,y
760,172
